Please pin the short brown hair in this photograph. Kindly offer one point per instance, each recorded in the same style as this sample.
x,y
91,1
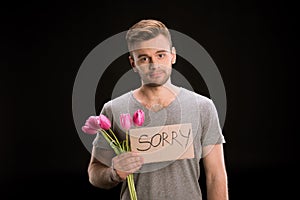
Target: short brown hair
x,y
146,29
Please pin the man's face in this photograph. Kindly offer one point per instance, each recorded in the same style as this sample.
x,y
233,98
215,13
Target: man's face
x,y
153,59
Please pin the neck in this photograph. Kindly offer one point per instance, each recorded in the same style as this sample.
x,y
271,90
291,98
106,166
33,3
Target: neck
x,y
158,91
160,95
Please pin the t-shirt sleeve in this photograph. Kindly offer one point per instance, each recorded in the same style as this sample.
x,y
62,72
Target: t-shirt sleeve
x,y
211,129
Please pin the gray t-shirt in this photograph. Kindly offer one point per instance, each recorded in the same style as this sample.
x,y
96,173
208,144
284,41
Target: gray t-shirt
x,y
177,179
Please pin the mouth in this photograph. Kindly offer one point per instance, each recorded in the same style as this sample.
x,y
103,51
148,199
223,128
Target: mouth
x,y
156,74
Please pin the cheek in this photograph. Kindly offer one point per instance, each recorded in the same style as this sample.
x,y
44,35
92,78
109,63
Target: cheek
x,y
141,71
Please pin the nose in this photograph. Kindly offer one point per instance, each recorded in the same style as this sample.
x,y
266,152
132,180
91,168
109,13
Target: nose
x,y
153,63
152,66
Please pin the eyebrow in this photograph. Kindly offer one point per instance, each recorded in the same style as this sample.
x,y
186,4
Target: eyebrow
x,y
159,51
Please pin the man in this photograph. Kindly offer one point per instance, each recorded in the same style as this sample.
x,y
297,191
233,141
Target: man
x,y
151,57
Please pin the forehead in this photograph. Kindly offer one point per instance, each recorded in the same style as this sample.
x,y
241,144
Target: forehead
x,y
158,43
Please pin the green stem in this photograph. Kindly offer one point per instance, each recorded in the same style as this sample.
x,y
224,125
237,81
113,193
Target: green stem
x,y
127,146
131,187
118,149
115,137
106,136
123,145
109,139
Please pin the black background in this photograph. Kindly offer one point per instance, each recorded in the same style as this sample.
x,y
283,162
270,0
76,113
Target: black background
x,y
253,43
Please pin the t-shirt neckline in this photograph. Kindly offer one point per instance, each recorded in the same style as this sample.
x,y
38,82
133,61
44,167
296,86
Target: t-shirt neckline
x,y
164,108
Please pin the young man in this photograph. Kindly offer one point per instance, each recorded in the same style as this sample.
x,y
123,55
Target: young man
x,y
151,57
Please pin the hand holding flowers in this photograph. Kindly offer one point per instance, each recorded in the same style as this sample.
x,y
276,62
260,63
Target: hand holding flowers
x,y
101,124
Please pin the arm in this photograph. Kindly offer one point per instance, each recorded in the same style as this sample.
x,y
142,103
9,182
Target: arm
x,y
101,175
215,172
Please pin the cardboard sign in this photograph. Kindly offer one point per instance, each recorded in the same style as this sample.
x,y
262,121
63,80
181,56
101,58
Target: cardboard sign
x,y
163,143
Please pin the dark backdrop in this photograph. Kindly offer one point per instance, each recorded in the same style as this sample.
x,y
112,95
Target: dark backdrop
x,y
253,43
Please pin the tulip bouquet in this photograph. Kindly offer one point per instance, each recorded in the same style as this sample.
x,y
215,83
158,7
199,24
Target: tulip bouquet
x,y
101,124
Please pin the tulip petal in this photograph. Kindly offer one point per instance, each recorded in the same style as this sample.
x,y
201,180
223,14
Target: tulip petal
x,y
104,122
89,130
125,121
93,122
139,117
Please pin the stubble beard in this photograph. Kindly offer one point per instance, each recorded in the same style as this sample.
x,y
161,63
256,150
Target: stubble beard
x,y
157,84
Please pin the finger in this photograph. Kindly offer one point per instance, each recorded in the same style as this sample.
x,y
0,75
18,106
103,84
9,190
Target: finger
x,y
133,164
127,166
126,155
131,168
128,163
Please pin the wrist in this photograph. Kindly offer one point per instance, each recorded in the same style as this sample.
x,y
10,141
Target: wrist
x,y
114,175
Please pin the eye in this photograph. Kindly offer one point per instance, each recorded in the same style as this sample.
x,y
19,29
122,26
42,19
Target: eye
x,y
143,59
161,55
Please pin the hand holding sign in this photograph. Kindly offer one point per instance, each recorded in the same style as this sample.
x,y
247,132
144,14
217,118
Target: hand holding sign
x,y
127,163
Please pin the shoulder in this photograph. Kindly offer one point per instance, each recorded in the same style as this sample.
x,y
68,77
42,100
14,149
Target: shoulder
x,y
117,102
200,99
203,104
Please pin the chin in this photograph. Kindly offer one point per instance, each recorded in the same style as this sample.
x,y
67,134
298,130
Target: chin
x,y
156,83
153,84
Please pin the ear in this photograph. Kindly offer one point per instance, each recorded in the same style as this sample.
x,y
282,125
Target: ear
x,y
131,60
173,52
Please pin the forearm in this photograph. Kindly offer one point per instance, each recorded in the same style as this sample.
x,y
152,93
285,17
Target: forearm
x,y
102,176
217,188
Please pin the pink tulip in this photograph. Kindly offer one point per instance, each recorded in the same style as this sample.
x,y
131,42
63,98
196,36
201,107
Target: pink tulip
x,y
89,130
104,122
138,117
125,121
91,125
